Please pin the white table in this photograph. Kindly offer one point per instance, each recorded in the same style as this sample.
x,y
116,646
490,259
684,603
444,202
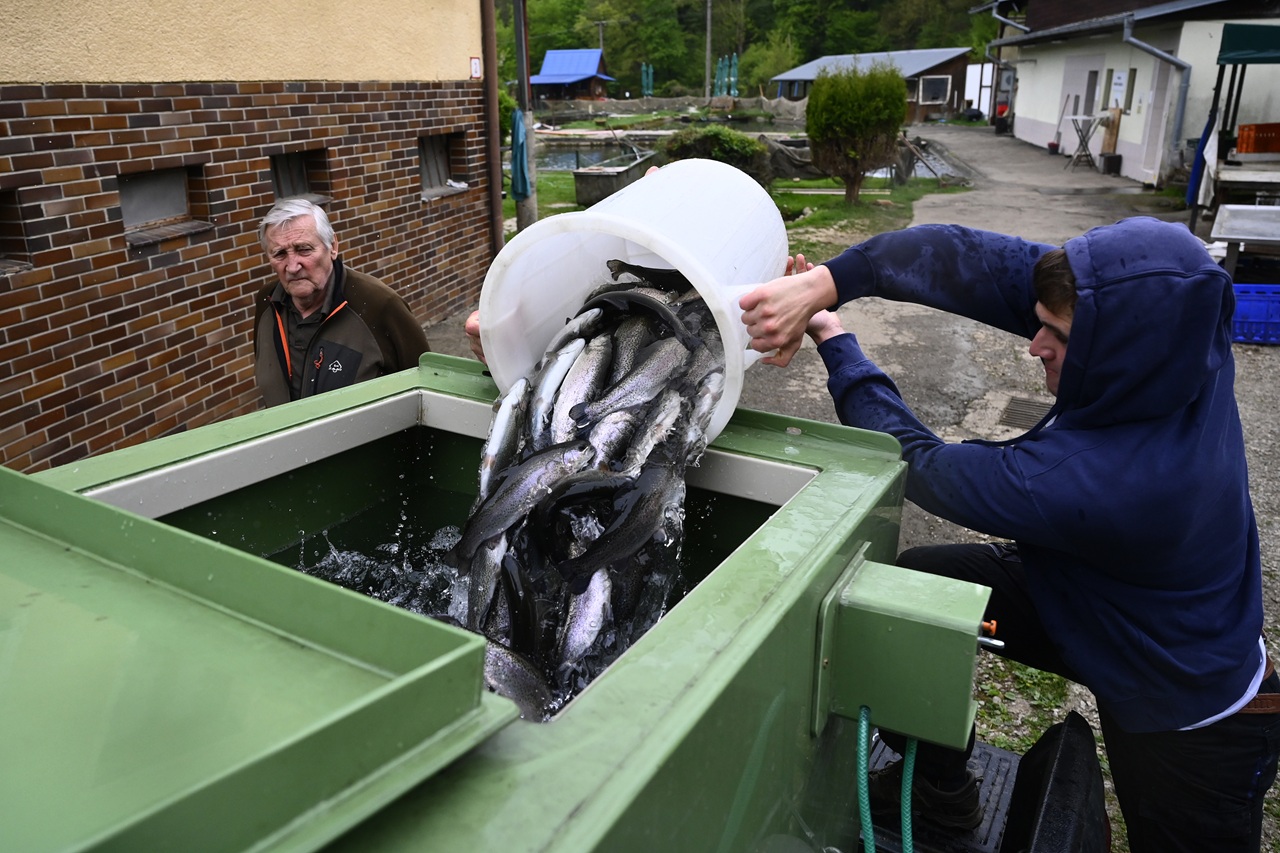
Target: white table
x,y
1085,127
1236,224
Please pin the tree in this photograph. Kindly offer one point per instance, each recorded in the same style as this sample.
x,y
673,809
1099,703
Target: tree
x,y
765,60
853,119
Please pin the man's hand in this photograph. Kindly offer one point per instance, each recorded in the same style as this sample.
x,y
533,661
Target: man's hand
x,y
824,326
777,313
472,328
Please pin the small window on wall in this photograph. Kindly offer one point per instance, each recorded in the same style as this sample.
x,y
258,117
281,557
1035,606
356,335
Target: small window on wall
x,y
15,255
438,159
156,206
301,174
1119,88
913,88
935,90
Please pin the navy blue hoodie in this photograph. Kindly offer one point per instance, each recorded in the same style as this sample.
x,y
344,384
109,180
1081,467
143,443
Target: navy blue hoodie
x,y
1129,501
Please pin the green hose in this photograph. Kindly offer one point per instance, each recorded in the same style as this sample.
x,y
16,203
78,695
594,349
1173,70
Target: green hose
x,y
908,774
864,793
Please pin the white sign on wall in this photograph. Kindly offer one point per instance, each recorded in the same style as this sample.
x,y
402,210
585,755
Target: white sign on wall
x,y
1119,89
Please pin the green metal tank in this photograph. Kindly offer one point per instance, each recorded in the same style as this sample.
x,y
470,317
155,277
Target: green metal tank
x,y
164,686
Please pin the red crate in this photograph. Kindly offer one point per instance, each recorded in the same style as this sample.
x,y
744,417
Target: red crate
x,y
1258,138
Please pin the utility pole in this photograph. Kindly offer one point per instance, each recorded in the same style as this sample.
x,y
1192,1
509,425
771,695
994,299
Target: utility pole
x,y
526,209
600,27
707,73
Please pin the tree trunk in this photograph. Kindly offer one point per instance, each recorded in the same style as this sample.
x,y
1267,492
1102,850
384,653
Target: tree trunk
x,y
852,186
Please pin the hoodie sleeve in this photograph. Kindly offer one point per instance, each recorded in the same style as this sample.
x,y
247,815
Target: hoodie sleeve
x,y
981,275
984,487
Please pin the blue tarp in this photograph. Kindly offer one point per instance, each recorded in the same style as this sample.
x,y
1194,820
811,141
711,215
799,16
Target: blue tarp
x,y
520,187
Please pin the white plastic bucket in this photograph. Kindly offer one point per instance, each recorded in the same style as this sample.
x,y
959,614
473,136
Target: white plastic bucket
x,y
708,220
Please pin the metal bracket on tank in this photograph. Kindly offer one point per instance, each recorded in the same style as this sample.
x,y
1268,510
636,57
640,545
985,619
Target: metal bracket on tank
x,y
902,643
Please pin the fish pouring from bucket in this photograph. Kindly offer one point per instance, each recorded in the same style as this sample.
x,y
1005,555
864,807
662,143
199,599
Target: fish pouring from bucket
x,y
572,547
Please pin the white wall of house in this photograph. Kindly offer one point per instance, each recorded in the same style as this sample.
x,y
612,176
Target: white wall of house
x,y
1086,76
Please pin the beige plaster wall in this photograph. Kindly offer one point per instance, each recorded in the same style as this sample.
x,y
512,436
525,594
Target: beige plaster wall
x,y
122,41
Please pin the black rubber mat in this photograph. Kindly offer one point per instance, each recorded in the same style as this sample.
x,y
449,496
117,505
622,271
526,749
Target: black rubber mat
x,y
998,769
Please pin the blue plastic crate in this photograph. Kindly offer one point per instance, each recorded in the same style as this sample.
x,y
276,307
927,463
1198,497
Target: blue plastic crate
x,y
1257,317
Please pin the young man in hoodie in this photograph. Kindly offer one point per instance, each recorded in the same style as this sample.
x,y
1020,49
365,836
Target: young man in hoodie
x,y
1132,565
323,325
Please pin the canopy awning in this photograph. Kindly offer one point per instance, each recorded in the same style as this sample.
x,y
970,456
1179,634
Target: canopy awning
x,y
1249,44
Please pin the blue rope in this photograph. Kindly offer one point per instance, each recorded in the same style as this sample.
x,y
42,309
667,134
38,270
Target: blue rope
x,y
908,773
864,794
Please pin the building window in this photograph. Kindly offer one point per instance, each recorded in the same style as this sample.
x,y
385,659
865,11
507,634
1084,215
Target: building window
x,y
913,89
1120,88
439,157
156,206
935,90
301,174
15,255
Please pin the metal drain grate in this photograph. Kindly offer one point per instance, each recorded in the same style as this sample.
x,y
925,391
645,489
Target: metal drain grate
x,y
1024,413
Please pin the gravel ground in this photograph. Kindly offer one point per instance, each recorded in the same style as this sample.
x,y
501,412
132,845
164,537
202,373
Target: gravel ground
x,y
960,376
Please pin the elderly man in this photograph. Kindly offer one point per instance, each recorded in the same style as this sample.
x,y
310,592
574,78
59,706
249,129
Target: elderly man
x,y
323,326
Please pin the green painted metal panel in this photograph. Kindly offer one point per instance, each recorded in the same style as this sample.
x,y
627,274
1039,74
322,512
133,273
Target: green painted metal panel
x,y
698,738
160,689
904,645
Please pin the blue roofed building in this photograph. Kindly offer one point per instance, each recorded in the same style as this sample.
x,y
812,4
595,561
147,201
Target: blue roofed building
x,y
570,74
935,78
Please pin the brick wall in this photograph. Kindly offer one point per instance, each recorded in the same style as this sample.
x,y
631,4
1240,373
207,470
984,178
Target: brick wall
x,y
108,339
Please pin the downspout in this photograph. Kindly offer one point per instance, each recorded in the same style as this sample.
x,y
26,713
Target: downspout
x,y
489,48
1000,63
995,13
1181,64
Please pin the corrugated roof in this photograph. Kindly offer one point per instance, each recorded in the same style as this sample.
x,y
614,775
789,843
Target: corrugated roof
x,y
570,66
910,63
1104,24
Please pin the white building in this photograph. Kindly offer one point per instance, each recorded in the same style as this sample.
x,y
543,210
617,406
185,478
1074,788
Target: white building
x,y
1154,63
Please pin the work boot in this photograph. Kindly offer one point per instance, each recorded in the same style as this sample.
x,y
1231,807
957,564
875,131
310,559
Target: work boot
x,y
949,809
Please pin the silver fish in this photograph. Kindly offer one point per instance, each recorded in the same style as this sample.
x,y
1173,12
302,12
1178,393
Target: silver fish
x,y
632,300
665,359
485,566
586,324
666,279
582,384
508,674
500,449
588,614
611,436
519,491
653,508
630,337
545,385
705,399
654,429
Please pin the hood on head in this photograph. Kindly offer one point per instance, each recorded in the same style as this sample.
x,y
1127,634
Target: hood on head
x,y
1152,322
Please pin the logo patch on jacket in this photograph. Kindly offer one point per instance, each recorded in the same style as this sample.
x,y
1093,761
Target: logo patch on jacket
x,y
335,366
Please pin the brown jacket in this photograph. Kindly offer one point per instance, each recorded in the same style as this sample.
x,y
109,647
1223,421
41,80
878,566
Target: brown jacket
x,y
370,332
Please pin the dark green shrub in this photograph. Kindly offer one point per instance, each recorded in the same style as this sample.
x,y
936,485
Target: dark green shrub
x,y
717,142
853,119
674,89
